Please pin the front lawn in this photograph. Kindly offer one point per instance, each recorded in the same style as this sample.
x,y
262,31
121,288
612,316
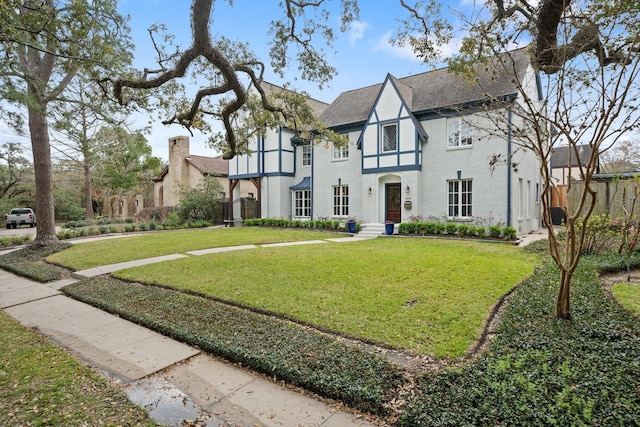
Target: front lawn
x,y
538,371
112,251
542,371
428,296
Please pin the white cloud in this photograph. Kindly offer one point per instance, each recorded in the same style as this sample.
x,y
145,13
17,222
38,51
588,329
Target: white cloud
x,y
383,46
357,31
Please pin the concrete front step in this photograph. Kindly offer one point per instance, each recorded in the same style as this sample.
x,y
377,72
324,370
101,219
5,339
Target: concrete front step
x,y
371,229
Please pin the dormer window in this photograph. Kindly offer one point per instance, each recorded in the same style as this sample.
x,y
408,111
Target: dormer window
x,y
389,137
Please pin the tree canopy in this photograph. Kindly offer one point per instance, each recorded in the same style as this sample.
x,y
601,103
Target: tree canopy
x,y
45,45
587,52
227,66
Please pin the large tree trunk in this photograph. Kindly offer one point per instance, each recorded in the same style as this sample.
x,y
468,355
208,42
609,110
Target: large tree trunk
x,y
46,226
88,202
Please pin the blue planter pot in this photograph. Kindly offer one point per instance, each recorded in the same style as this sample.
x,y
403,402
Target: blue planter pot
x,y
389,228
351,227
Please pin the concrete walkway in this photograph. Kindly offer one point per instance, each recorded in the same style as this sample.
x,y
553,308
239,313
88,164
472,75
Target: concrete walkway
x,y
175,382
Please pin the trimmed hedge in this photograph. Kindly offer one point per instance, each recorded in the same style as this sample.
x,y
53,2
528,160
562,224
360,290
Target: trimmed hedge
x,y
81,229
277,348
327,224
542,371
456,229
29,262
13,241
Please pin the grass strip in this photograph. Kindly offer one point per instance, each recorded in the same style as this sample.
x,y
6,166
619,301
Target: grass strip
x,y
277,348
42,385
111,251
541,371
29,262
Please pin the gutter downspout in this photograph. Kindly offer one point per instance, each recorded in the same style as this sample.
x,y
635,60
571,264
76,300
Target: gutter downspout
x,y
313,167
509,150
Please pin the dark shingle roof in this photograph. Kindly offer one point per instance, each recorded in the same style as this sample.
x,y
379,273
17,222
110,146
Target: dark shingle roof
x,y
560,156
317,106
428,91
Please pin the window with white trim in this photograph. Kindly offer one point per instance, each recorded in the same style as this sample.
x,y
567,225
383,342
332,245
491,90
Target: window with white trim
x,y
306,155
389,137
340,152
460,133
460,198
340,200
302,203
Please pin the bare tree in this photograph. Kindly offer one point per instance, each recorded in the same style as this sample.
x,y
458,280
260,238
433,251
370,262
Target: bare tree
x,y
587,53
227,67
621,157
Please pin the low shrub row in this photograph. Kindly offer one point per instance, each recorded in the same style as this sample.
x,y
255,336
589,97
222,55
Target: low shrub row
x,y
13,241
543,371
326,224
457,229
277,348
126,227
29,262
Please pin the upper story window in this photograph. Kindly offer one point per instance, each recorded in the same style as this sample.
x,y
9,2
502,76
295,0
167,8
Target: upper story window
x,y
306,155
340,152
389,137
460,133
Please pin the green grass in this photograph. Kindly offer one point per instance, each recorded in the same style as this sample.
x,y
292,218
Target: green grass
x,y
542,371
112,251
429,296
42,385
277,348
628,294
538,371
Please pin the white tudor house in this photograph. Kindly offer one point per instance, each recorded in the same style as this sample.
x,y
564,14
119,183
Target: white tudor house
x,y
419,146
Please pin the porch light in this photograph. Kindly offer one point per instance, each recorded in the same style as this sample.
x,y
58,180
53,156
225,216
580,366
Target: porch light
x,y
406,190
369,190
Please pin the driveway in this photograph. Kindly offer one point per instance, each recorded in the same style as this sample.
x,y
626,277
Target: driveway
x,y
21,231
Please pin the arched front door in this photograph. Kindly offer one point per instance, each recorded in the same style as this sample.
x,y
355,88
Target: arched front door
x,y
393,199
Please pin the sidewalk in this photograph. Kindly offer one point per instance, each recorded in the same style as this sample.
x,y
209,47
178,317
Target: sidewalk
x,y
173,381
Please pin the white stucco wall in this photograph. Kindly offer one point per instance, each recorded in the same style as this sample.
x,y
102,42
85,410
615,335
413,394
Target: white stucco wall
x,y
328,173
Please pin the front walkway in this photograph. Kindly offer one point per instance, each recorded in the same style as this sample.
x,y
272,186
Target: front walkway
x,y
175,382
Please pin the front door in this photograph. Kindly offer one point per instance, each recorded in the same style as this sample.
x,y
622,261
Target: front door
x,y
393,198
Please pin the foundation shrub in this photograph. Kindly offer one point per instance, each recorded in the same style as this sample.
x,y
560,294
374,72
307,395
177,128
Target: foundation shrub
x,y
277,348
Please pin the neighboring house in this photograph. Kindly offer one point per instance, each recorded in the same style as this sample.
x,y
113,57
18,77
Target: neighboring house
x,y
417,148
185,171
566,167
565,163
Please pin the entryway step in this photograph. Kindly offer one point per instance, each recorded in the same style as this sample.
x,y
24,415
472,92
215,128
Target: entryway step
x,y
371,230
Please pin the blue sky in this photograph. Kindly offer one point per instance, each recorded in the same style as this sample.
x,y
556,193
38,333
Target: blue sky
x,y
364,56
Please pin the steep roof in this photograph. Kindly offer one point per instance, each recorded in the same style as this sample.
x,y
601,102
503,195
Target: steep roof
x,y
428,91
317,106
560,156
209,165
